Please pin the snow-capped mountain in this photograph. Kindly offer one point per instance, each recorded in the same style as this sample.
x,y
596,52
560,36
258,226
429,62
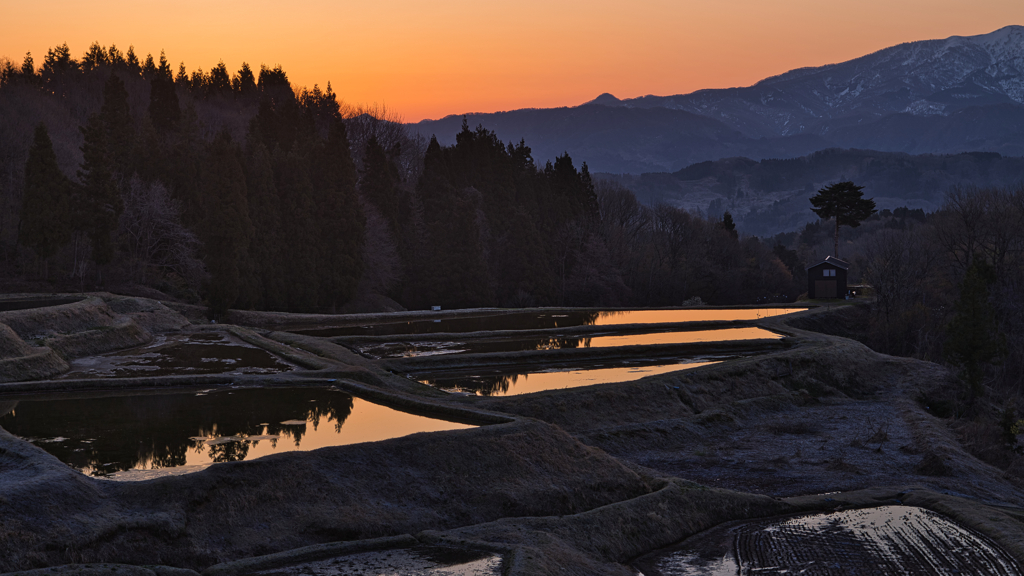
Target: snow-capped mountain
x,y
932,77
935,96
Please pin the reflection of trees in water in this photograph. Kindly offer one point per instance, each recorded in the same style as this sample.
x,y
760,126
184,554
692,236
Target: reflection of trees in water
x,y
561,343
154,431
486,385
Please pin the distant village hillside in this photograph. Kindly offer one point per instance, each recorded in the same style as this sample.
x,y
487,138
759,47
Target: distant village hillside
x,y
768,197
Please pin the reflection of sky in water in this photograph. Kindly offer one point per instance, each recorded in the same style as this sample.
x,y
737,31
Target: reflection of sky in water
x,y
547,320
555,379
883,540
485,345
102,435
693,315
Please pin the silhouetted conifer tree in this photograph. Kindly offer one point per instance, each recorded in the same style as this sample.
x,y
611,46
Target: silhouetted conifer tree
x,y
181,78
132,61
226,229
296,191
164,110
452,272
973,335
338,218
219,81
28,66
184,165
245,81
100,202
148,67
45,210
116,58
265,213
94,57
117,123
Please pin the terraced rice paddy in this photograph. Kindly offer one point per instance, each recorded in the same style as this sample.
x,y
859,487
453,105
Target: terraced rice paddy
x,y
410,349
883,540
179,354
497,382
146,435
546,320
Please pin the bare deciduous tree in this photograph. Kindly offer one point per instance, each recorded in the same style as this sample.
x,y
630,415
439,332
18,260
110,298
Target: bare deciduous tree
x,y
151,233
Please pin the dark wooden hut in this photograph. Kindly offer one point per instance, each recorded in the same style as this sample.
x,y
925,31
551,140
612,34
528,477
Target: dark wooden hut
x,y
827,279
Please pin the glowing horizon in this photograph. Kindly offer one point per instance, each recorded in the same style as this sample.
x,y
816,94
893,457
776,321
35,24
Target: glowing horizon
x,y
429,61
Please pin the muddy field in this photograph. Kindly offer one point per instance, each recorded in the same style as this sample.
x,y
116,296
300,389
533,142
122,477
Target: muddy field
x,y
585,478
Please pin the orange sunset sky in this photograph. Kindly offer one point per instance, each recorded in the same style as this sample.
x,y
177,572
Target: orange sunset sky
x,y
430,59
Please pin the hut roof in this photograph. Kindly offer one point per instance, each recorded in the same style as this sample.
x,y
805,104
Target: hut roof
x,y
833,261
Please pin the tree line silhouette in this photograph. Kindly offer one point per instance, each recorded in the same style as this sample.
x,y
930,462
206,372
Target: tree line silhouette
x,y
240,191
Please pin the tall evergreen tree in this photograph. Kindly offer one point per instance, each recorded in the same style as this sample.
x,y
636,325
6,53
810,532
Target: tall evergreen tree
x,y
28,67
245,81
164,110
45,210
338,219
226,229
132,60
219,81
117,123
267,246
100,203
974,338
452,272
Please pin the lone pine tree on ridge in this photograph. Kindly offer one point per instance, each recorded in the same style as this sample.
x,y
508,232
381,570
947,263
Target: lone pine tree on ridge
x,y
845,203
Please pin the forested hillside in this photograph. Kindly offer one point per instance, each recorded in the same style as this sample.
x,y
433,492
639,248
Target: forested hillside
x,y
770,196
240,190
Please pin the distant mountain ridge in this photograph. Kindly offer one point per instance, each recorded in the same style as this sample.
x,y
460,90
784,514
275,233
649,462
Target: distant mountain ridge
x,y
935,96
930,77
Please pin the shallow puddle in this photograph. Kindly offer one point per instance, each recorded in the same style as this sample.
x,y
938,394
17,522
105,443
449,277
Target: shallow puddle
x,y
485,345
535,321
883,540
508,383
158,434
422,560
176,354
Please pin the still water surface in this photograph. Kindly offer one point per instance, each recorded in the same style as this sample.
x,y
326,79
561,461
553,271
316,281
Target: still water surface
x,y
485,345
547,320
103,435
508,383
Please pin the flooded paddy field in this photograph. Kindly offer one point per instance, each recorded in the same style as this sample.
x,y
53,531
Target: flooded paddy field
x,y
176,354
420,560
883,540
152,434
511,381
546,320
412,349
